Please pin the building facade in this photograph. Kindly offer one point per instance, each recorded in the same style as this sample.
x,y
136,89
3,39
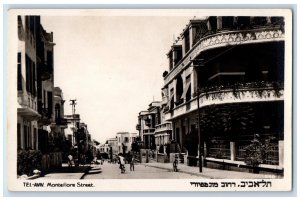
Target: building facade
x,y
125,140
234,67
147,120
27,111
113,147
37,125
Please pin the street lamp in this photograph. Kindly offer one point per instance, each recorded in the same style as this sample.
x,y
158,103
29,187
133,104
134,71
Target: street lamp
x,y
201,64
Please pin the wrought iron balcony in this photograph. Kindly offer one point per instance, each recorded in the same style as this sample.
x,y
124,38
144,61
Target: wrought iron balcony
x,y
224,94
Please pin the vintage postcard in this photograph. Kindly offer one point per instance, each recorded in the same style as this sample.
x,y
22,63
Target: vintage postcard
x,y
150,100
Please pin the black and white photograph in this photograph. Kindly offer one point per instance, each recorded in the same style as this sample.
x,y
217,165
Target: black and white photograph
x,y
150,99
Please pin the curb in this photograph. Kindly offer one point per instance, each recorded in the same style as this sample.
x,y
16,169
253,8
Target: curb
x,y
83,175
33,177
182,171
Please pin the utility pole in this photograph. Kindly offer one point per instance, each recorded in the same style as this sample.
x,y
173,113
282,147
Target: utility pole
x,y
199,134
73,103
201,64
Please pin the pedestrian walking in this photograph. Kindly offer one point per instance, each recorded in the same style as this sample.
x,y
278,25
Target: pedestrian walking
x,y
122,163
175,164
70,160
132,163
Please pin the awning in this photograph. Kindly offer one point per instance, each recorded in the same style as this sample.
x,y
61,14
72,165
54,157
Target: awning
x,y
187,86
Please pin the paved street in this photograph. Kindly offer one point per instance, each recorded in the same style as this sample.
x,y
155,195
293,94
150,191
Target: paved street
x,y
112,171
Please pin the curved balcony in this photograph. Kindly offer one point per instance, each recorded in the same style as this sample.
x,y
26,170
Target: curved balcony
x,y
236,37
27,106
237,93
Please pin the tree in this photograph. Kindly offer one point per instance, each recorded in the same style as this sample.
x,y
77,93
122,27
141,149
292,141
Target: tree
x,y
257,152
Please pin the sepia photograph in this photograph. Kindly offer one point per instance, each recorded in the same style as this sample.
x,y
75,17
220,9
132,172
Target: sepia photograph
x,y
150,100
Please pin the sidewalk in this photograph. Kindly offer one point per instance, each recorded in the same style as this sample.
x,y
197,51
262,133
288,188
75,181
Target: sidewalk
x,y
66,172
210,173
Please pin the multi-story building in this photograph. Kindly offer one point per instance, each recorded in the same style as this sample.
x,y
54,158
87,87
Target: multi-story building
x,y
147,120
83,140
113,146
27,111
234,66
59,123
35,78
125,140
104,148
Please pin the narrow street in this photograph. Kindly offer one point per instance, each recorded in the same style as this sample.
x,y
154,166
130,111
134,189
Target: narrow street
x,y
112,171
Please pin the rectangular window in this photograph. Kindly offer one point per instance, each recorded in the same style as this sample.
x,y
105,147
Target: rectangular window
x,y
19,72
44,99
187,41
29,137
25,137
28,74
34,138
50,60
32,27
19,135
126,140
33,79
49,96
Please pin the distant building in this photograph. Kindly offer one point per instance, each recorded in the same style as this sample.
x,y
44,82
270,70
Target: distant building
x,y
125,140
104,148
60,123
147,120
113,146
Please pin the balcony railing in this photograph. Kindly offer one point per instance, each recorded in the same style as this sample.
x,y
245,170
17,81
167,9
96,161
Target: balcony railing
x,y
163,127
236,37
237,93
28,107
149,131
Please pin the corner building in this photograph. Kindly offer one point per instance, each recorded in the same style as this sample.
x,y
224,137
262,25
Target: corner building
x,y
235,66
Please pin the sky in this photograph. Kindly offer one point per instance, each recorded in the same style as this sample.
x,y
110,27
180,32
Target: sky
x,y
112,65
